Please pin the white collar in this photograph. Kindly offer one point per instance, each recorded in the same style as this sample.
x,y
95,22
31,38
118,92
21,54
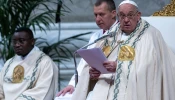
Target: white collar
x,y
124,36
111,28
114,24
35,48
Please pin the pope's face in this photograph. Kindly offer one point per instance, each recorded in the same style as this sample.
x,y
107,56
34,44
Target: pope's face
x,y
22,43
104,17
128,17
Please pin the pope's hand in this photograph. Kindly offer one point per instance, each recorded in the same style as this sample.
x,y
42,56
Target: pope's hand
x,y
94,74
69,89
110,65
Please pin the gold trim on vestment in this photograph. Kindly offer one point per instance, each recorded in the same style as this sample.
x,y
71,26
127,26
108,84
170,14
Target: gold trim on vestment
x,y
126,53
107,50
18,74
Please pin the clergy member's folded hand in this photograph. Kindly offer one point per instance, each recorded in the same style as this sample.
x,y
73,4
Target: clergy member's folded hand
x,y
69,89
94,74
110,65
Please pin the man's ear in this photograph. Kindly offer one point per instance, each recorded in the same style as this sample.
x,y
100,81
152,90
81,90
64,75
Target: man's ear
x,y
33,41
114,14
139,15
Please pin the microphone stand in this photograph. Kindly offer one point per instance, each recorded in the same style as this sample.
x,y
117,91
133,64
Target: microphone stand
x,y
75,53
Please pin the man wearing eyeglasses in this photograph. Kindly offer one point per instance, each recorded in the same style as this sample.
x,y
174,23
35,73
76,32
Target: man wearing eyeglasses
x,y
30,74
144,63
145,66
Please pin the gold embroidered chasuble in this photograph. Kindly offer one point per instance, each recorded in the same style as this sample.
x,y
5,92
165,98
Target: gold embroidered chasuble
x,y
150,74
145,69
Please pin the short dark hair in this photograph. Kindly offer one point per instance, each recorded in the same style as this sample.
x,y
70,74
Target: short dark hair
x,y
27,30
110,3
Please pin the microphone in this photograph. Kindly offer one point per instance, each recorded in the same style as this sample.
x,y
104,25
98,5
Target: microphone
x,y
101,38
105,36
111,34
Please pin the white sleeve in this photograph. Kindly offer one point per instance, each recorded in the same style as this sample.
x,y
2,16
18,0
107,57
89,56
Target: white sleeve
x,y
1,86
80,67
72,81
95,36
2,97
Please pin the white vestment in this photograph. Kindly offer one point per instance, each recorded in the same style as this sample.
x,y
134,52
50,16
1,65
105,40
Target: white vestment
x,y
83,63
149,76
39,82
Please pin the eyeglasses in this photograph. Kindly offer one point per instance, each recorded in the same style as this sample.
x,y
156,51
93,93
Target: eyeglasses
x,y
20,41
129,16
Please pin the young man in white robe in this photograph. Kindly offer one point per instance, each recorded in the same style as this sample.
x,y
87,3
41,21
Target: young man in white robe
x,y
105,17
143,62
30,74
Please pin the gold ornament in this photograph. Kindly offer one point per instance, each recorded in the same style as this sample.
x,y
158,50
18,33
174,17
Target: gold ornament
x,y
18,74
168,10
106,50
126,53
